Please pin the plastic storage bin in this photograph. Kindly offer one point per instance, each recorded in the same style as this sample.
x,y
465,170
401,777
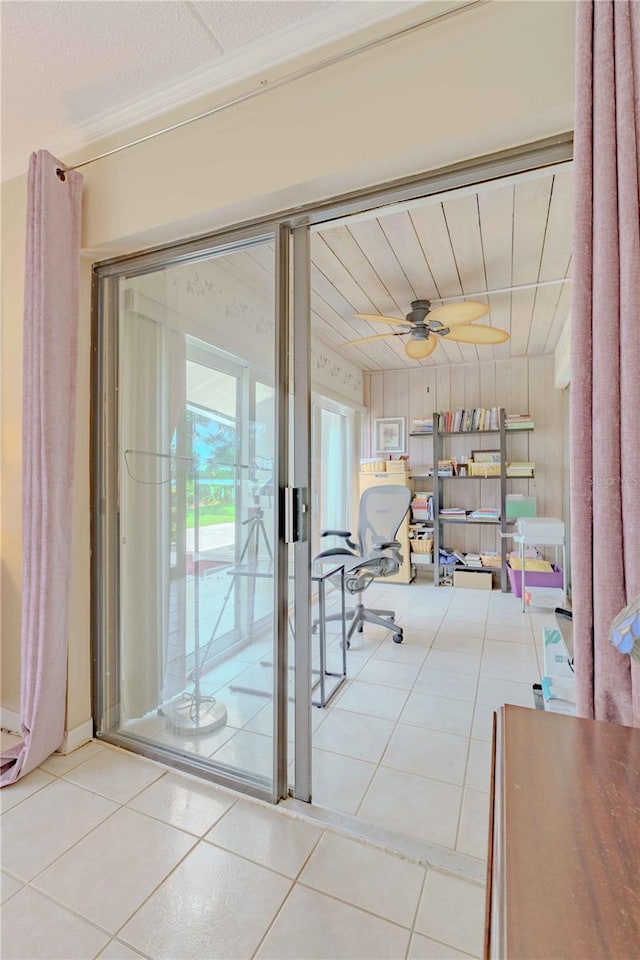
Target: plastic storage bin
x,y
533,579
519,505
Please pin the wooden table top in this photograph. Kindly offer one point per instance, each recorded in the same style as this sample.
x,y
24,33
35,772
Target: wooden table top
x,y
571,856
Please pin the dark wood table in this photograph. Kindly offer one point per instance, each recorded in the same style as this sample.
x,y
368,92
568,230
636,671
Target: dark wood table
x,y
564,845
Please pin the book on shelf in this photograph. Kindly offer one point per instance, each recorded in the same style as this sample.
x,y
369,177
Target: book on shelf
x,y
490,514
473,560
422,425
422,507
476,420
447,468
518,421
521,468
453,512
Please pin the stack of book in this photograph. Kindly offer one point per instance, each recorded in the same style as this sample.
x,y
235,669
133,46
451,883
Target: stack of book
x,y
422,506
422,425
473,560
521,468
472,420
453,512
490,514
518,421
446,468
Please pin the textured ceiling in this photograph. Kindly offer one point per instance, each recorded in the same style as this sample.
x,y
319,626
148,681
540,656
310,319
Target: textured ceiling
x,y
75,71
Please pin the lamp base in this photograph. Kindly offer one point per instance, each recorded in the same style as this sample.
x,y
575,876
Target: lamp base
x,y
188,718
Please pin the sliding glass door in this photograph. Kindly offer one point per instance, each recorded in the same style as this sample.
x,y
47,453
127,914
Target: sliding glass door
x,y
191,574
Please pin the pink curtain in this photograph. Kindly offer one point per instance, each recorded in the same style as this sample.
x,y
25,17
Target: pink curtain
x,y
605,372
48,431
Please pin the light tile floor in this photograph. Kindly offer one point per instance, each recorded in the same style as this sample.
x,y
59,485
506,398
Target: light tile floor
x,y
108,855
413,725
175,868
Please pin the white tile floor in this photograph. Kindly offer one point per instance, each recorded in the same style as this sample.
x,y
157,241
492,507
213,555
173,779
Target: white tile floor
x,y
413,725
108,855
176,868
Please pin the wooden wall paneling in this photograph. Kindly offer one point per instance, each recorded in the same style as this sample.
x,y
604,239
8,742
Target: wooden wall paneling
x,y
496,229
544,311
463,223
366,419
431,229
456,493
555,260
382,259
376,409
420,448
539,439
334,283
443,389
554,452
489,489
469,490
332,306
562,310
530,215
520,402
400,232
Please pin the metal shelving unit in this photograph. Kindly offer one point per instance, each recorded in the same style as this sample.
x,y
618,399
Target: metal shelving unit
x,y
438,437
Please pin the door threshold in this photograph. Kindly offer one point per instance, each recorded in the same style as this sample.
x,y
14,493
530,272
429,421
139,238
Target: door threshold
x,y
407,847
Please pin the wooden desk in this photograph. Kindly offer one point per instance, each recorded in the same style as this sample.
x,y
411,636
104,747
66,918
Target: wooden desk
x,y
564,846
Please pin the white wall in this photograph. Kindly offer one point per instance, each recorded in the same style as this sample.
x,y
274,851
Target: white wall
x,y
520,385
493,77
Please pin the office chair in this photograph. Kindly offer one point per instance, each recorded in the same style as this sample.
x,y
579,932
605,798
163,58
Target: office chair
x,y
382,510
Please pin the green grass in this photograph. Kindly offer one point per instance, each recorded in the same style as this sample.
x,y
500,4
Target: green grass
x,y
208,516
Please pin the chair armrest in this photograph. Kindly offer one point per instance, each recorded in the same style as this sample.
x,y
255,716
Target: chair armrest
x,y
345,534
335,552
387,545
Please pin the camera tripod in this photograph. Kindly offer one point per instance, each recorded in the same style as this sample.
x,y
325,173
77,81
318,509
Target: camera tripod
x,y
256,531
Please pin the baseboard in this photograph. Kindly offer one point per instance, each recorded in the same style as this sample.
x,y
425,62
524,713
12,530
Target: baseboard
x,y
10,721
77,737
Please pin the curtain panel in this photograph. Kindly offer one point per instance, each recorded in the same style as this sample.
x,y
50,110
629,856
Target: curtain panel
x,y
48,435
605,383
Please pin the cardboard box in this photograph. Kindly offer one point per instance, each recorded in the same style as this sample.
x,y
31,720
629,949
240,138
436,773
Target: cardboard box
x,y
473,579
397,466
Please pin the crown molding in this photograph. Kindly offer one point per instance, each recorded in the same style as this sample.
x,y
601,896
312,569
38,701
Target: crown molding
x,y
260,55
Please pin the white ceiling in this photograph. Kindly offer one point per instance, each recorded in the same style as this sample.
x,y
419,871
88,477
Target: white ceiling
x,y
73,72
510,232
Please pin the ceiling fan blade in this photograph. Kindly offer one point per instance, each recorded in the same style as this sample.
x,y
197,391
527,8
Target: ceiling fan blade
x,y
419,349
377,318
375,336
453,314
477,333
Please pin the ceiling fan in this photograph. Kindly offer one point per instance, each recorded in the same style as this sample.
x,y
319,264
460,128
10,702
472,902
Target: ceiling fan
x,y
423,326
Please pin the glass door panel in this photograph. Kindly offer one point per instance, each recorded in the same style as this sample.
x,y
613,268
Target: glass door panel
x,y
196,459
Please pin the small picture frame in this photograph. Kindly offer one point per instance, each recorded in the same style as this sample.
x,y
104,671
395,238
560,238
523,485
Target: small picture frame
x,y
485,456
389,435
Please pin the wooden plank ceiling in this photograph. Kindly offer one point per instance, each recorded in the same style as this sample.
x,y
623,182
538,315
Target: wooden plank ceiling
x,y
501,236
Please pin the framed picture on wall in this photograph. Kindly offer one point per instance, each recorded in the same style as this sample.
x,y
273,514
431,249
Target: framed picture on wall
x,y
389,435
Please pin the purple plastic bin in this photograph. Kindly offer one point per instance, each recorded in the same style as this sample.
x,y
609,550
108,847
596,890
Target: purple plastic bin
x,y
535,579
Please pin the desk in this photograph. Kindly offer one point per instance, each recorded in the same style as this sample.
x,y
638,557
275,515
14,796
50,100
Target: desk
x,y
564,850
321,573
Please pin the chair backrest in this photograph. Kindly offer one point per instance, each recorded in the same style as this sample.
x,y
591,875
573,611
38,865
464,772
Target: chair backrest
x,y
382,510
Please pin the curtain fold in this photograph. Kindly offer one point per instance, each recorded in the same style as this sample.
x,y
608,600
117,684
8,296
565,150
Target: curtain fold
x,y
48,435
605,379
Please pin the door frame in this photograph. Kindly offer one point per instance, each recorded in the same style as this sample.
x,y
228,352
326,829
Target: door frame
x,y
289,225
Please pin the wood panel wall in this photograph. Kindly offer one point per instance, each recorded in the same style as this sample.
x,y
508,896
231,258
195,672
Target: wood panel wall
x,y
520,385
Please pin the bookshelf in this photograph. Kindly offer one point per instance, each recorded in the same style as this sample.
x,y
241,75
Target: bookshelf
x,y
443,484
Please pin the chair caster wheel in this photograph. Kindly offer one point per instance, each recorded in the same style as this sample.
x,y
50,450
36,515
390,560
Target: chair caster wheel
x,y
397,638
